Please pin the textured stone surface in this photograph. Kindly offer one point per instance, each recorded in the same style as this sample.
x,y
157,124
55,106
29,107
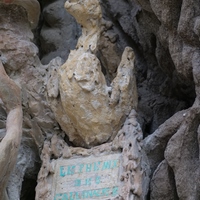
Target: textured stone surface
x,y
164,183
32,8
99,111
9,145
176,35
133,181
156,143
165,38
182,155
19,57
59,31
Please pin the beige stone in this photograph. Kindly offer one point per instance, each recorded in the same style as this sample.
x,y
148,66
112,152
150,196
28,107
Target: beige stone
x,y
90,111
114,170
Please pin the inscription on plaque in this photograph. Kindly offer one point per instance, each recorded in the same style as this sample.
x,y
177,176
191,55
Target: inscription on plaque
x,y
87,178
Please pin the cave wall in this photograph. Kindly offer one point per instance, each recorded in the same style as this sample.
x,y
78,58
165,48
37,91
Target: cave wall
x,y
165,40
163,90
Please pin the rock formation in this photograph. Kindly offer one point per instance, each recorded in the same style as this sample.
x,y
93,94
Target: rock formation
x,y
11,96
134,170
94,110
59,31
165,39
10,93
21,63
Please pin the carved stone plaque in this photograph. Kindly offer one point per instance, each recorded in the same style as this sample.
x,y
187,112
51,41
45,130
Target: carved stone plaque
x,y
87,178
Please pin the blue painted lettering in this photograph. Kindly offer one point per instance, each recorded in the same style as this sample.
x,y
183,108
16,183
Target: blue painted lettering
x,y
98,179
77,183
96,193
87,194
97,166
88,167
88,181
115,164
105,191
71,196
62,173
106,165
81,168
65,197
84,194
115,191
90,193
71,169
77,196
58,197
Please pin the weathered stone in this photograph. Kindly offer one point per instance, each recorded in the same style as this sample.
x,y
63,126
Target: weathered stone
x,y
27,167
19,57
165,39
9,146
140,27
32,8
163,184
87,177
155,144
59,31
182,154
99,111
115,170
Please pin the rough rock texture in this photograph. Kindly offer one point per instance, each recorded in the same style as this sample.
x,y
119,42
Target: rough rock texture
x,y
134,171
179,147
164,183
99,111
32,8
19,57
9,145
165,39
59,31
161,91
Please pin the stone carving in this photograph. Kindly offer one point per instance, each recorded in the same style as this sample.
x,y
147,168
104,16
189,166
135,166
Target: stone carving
x,y
88,110
132,181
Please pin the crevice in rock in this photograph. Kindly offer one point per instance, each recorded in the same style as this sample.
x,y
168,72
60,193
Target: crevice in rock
x,y
28,189
173,182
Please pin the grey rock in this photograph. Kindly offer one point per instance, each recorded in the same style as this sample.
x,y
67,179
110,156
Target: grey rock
x,y
59,32
182,154
163,184
155,144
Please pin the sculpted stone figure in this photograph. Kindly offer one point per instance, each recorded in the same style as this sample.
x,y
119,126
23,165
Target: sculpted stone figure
x,y
88,110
